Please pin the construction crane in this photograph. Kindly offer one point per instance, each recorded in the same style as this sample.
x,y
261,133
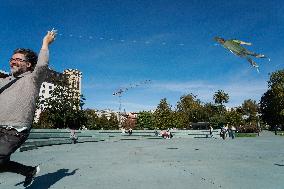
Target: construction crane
x,y
120,91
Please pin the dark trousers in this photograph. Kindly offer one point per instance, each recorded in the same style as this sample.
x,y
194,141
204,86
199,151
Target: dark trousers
x,y
10,141
233,134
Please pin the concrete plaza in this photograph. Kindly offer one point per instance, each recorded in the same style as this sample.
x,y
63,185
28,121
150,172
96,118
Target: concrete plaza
x,y
178,163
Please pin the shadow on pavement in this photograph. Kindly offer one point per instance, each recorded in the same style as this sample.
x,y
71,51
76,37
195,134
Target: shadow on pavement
x,y
281,165
49,179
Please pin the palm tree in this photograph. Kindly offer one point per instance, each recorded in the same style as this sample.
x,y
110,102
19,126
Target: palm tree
x,y
221,97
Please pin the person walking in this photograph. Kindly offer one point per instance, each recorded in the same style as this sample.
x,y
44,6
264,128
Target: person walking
x,y
233,132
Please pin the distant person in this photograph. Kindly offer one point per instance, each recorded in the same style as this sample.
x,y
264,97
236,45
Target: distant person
x,y
129,131
258,128
226,128
170,134
223,132
156,133
276,128
163,134
233,132
211,130
18,94
123,131
229,131
73,136
84,128
166,134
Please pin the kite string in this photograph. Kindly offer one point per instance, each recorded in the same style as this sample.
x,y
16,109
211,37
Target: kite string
x,y
90,37
131,86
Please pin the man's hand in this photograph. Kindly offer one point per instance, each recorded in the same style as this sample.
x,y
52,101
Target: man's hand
x,y
48,39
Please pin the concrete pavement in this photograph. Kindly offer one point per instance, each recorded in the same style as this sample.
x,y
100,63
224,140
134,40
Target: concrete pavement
x,y
256,162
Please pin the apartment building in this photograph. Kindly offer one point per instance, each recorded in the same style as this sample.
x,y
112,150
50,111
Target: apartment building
x,y
73,77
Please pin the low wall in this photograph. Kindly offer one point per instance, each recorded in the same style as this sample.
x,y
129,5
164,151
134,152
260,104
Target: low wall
x,y
64,133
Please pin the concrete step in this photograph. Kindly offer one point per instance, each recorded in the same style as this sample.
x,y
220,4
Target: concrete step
x,y
34,144
48,135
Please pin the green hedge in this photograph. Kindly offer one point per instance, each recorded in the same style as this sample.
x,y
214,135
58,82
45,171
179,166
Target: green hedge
x,y
246,134
281,133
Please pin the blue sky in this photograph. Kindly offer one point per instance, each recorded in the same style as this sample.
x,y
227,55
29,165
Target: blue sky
x,y
119,43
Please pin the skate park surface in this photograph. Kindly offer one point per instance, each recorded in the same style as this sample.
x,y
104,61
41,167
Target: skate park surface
x,y
244,162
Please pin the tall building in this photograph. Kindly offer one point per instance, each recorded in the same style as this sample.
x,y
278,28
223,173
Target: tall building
x,y
49,83
73,77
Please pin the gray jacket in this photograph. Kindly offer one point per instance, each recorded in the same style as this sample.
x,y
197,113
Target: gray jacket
x,y
18,101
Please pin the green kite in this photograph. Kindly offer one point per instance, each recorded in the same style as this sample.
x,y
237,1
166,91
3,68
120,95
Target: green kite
x,y
235,46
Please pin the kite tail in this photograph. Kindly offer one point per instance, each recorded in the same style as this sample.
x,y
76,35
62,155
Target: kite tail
x,y
262,56
257,70
253,63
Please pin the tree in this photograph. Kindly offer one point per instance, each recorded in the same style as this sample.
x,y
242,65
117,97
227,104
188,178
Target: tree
x,y
218,120
163,115
272,101
92,119
250,109
145,120
209,110
189,109
64,106
43,121
103,122
178,120
113,121
213,116
234,118
129,123
221,97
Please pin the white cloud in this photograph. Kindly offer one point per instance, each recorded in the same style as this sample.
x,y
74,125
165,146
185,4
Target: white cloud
x,y
136,107
181,86
238,91
147,97
129,106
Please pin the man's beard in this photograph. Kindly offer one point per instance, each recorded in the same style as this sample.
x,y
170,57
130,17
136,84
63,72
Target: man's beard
x,y
15,71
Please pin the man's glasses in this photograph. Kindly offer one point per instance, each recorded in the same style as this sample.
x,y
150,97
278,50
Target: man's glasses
x,y
17,60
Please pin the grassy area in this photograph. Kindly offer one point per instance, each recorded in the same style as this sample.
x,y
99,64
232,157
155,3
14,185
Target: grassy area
x,y
246,134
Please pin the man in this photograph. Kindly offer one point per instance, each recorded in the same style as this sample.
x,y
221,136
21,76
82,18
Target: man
x,y
233,132
18,94
211,131
235,47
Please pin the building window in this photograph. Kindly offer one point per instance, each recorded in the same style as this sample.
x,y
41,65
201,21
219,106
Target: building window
x,y
43,91
50,87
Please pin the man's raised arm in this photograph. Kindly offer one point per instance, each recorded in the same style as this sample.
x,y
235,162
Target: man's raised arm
x,y
48,39
43,58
